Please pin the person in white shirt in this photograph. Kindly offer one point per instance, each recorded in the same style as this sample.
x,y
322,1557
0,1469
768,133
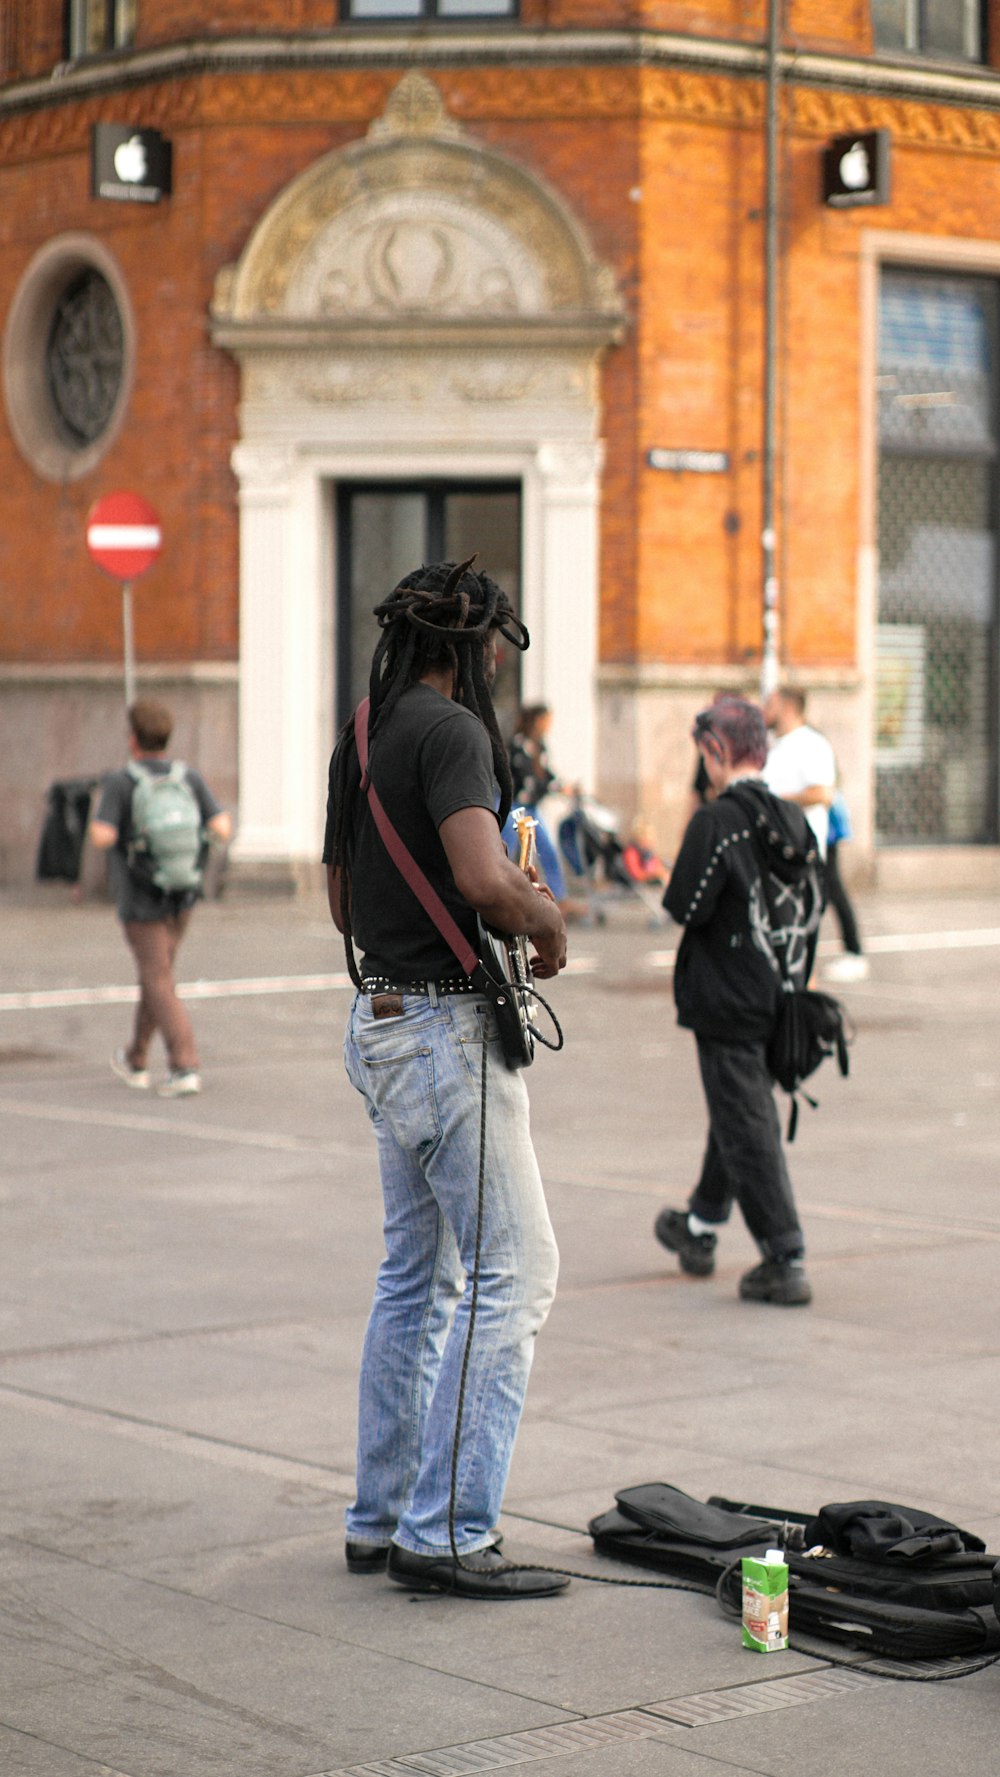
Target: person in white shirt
x,y
800,765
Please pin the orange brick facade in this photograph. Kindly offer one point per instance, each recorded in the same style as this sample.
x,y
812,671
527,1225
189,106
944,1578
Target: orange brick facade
x,y
661,159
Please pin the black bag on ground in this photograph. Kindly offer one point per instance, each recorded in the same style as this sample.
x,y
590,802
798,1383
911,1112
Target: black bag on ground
x,y
60,846
904,1606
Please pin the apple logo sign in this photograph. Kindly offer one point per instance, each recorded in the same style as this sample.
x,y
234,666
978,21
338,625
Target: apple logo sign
x,y
130,161
855,172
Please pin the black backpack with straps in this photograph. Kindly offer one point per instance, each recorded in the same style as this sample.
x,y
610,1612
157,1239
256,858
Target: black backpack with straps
x,y
809,1026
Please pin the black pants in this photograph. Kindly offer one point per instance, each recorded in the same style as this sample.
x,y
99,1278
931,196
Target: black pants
x,y
836,894
744,1160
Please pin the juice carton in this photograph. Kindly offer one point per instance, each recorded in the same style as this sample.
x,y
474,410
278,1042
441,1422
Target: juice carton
x,y
765,1602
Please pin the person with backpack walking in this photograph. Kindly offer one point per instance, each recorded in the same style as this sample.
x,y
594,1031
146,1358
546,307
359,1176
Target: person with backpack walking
x,y
743,939
156,818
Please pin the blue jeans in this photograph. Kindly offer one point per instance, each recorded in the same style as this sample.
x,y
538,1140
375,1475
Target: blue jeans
x,y
420,1077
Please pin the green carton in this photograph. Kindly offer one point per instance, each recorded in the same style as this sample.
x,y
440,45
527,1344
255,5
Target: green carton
x,y
765,1602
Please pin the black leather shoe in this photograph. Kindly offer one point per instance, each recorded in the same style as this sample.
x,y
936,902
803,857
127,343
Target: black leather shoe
x,y
366,1557
484,1574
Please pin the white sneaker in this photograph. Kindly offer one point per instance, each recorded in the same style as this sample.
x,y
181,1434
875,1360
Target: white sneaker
x,y
182,1083
848,967
136,1077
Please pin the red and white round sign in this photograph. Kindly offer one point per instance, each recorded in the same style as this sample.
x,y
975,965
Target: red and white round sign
x,y
123,535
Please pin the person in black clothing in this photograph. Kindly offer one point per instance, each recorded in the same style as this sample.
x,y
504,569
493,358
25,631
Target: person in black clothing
x,y
469,1271
726,986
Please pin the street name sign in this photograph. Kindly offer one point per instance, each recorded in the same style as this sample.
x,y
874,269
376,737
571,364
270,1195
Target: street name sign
x,y
690,462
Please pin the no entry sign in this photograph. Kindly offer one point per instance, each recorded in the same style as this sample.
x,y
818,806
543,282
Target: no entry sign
x,y
123,535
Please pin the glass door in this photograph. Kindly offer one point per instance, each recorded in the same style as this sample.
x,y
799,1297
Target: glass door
x,y
385,530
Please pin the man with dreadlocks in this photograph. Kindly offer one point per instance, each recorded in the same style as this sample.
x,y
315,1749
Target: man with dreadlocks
x,y
470,1267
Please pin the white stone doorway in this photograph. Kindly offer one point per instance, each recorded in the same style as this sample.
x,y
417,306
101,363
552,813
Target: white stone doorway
x,y
412,310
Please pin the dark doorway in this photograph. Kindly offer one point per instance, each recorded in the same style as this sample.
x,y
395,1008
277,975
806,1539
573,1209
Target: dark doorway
x,y
385,529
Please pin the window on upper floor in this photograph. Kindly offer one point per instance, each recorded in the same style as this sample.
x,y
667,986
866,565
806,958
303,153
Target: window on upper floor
x,y
930,27
93,26
393,10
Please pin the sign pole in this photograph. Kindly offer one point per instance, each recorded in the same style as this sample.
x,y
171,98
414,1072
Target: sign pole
x,y
124,538
129,641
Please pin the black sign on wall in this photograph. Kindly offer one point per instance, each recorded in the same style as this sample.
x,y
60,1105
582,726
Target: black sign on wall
x,y
856,169
130,165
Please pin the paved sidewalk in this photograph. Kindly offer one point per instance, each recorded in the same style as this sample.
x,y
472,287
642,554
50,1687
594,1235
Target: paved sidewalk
x,y
185,1286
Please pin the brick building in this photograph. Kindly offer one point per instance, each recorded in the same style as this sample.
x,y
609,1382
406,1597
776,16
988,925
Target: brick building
x,y
439,275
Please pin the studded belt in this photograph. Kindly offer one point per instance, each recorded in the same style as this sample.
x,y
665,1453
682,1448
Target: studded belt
x,y
375,984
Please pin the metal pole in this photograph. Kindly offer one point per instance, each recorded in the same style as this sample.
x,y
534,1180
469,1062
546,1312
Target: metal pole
x,y
769,662
129,643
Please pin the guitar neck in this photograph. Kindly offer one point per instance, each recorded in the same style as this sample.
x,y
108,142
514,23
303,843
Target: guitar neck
x,y
525,826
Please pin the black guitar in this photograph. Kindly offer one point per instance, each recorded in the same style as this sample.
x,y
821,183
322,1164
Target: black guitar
x,y
509,981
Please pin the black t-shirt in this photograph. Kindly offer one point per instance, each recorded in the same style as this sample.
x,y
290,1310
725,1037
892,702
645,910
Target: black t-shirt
x,y
432,758
136,899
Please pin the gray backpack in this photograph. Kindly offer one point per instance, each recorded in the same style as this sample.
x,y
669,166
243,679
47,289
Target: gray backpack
x,y
166,839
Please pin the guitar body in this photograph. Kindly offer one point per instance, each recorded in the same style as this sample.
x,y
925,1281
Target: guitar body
x,y
504,959
504,962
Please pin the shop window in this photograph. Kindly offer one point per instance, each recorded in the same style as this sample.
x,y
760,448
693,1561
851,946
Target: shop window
x,y
930,27
937,730
399,11
94,26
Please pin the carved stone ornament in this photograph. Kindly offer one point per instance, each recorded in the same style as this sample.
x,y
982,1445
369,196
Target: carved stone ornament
x,y
415,108
417,225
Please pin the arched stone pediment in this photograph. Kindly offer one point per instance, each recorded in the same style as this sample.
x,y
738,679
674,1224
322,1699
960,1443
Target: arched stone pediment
x,y
418,226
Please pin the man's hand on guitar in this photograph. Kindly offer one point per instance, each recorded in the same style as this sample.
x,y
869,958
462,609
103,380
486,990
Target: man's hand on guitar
x,y
548,953
506,898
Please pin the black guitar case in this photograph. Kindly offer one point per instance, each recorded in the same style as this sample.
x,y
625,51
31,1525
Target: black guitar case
x,y
891,1579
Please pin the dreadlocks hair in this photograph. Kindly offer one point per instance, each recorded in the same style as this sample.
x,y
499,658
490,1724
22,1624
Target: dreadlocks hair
x,y
441,615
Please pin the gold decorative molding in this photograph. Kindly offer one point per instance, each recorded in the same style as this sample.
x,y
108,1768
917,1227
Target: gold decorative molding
x,y
375,99
705,98
819,111
561,93
65,129
328,96
950,127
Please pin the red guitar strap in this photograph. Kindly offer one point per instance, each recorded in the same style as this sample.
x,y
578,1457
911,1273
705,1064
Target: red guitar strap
x,y
404,860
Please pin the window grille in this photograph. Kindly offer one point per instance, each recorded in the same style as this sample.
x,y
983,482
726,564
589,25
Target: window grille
x,y
936,715
85,359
